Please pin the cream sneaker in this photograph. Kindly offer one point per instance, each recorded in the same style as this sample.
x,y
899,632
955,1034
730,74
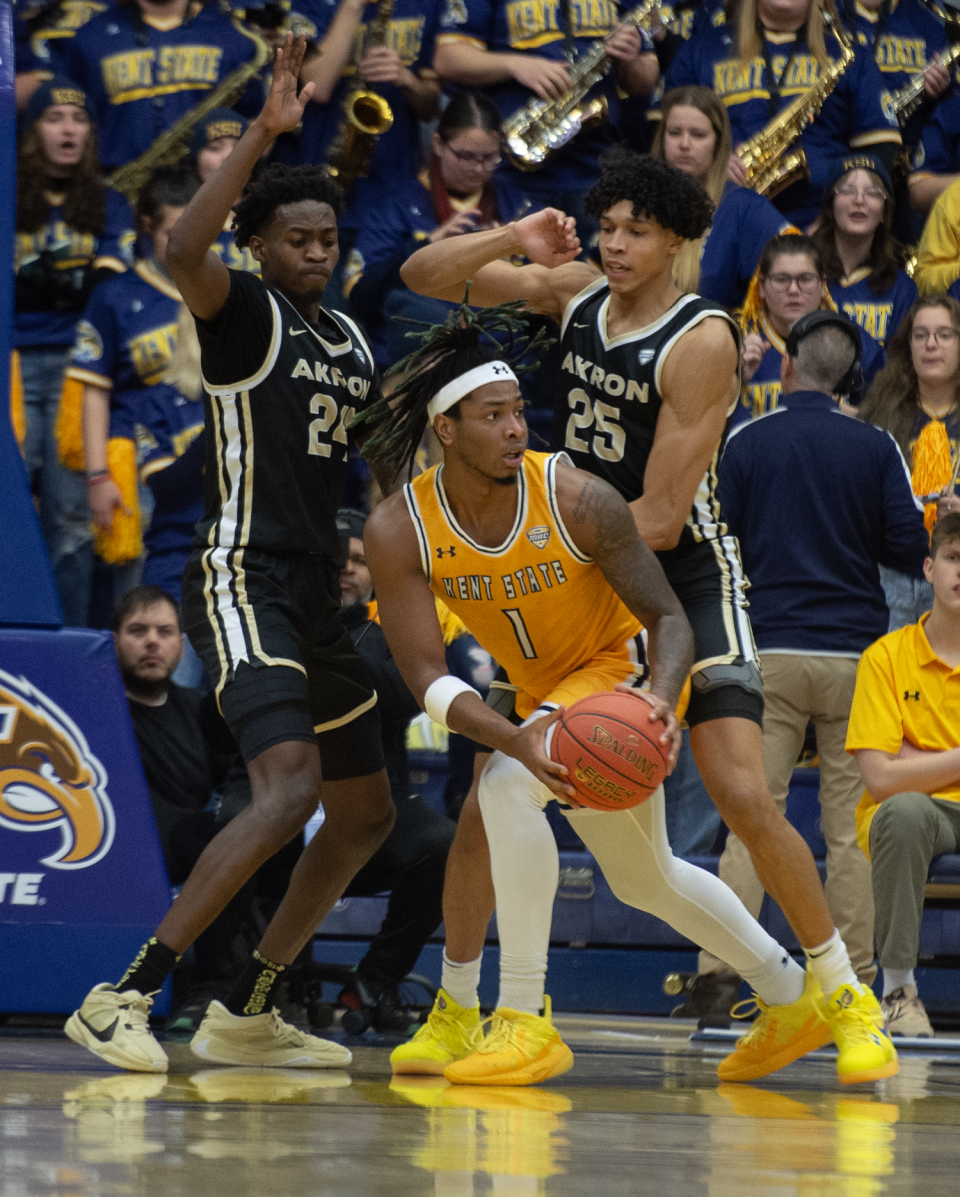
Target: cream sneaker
x,y
905,1014
115,1026
262,1041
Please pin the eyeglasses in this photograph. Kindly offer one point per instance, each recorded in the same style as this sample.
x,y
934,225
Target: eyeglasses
x,y
466,158
807,282
943,336
872,194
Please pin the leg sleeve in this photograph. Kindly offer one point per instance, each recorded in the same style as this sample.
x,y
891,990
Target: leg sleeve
x,y
632,850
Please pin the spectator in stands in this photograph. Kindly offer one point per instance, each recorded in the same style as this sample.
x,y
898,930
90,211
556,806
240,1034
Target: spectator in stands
x,y
789,42
694,136
146,63
938,255
452,195
186,752
412,860
400,71
906,39
905,734
855,239
73,232
41,32
915,399
815,597
790,282
211,144
124,345
935,162
519,53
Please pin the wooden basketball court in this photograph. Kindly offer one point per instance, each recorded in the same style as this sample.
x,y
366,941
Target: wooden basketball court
x,y
641,1113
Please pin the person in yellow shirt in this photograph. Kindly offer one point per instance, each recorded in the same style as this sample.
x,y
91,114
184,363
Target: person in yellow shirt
x,y
904,730
938,256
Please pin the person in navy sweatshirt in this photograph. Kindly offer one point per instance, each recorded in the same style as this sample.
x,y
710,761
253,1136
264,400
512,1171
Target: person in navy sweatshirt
x,y
841,488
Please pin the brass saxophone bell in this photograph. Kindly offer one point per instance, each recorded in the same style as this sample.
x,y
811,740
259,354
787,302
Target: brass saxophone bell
x,y
369,113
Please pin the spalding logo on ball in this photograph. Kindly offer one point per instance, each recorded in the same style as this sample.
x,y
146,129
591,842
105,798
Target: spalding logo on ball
x,y
612,751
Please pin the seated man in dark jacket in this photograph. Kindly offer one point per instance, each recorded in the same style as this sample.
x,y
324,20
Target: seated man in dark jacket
x,y
185,750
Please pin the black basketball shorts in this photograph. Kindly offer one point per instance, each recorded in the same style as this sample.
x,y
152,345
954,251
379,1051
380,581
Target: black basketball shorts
x,y
267,627
708,579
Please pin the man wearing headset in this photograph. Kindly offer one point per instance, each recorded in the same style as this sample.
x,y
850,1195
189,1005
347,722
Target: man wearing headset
x,y
817,500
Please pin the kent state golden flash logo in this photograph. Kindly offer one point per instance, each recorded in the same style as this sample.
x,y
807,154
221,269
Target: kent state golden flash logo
x,y
49,778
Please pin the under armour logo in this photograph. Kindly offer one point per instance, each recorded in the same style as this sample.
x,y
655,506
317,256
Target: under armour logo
x,y
451,552
501,369
908,695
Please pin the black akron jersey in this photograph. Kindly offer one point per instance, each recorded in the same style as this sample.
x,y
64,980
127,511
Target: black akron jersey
x,y
277,440
609,397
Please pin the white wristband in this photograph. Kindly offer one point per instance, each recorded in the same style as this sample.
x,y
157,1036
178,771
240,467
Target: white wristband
x,y
441,693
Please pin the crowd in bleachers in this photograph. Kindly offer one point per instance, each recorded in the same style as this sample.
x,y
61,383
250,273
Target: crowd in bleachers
x,y
106,388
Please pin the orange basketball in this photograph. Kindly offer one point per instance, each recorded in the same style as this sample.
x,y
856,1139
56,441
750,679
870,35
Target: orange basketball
x,y
611,750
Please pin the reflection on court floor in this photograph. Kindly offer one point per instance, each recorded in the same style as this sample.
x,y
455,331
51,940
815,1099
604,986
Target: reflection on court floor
x,y
641,1113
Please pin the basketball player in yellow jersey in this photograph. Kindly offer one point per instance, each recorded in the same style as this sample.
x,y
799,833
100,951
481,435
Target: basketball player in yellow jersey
x,y
544,565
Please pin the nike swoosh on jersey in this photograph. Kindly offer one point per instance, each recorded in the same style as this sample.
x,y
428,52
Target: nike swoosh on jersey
x,y
106,1034
297,332
576,325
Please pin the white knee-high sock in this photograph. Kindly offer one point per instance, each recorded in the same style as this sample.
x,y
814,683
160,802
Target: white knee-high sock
x,y
631,848
526,869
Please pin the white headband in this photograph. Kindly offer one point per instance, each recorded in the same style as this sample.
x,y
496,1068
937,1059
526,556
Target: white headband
x,y
454,391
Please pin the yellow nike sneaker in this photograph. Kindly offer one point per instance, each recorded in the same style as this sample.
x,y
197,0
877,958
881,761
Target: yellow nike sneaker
x,y
445,1037
778,1036
520,1049
866,1052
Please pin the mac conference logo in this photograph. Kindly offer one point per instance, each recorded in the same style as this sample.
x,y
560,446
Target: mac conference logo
x,y
49,778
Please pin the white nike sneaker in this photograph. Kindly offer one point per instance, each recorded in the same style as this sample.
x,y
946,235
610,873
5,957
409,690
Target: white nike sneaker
x,y
115,1027
262,1040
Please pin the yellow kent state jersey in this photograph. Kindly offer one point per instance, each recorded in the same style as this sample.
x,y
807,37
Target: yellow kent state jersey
x,y
536,603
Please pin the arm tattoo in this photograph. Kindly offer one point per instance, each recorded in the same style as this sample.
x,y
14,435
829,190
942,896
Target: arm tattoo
x,y
636,575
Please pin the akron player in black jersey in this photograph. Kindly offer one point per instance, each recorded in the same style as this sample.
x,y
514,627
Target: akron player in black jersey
x,y
283,378
647,379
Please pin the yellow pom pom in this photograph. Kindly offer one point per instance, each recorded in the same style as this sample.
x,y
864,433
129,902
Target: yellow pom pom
x,y
124,541
18,413
932,468
69,429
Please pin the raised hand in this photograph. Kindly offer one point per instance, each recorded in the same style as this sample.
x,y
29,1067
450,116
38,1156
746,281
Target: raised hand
x,y
283,109
548,237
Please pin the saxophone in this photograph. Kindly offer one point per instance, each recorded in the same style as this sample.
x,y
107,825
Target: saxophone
x,y
907,100
173,143
536,131
365,115
771,162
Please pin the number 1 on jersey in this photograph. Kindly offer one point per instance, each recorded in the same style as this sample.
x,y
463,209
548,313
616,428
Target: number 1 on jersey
x,y
520,631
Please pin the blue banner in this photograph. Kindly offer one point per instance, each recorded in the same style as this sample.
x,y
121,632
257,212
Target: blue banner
x,y
82,878
27,593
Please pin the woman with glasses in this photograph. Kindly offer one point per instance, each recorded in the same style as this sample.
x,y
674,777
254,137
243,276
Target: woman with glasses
x,y
694,136
790,282
453,194
915,398
861,258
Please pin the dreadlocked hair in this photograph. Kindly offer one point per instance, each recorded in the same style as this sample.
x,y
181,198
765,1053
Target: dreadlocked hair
x,y
282,185
675,200
467,338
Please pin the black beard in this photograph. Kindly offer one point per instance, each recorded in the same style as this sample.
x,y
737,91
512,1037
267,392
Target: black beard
x,y
139,687
511,481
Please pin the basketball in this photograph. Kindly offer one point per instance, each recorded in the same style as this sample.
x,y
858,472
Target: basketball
x,y
612,751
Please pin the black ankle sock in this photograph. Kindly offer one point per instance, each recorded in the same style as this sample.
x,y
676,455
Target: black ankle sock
x,y
153,965
253,991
